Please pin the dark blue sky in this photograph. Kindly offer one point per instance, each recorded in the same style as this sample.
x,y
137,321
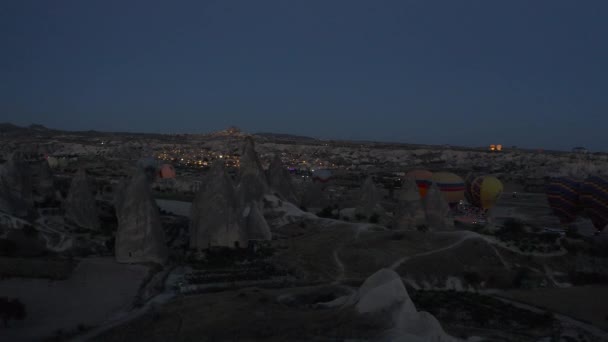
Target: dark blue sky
x,y
516,72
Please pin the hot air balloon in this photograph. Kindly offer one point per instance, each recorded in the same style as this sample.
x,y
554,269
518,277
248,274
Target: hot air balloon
x,y
450,185
594,198
321,175
563,197
166,171
485,191
423,179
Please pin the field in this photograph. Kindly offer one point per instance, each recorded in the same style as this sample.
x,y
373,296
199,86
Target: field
x,y
97,289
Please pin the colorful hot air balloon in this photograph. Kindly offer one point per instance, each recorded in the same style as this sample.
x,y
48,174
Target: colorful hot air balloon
x,y
485,191
321,175
594,198
423,179
450,185
563,197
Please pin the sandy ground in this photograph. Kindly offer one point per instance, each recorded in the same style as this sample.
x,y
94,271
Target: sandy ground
x,y
98,288
175,207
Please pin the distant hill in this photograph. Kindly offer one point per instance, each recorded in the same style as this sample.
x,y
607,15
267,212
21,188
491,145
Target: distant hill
x,y
281,136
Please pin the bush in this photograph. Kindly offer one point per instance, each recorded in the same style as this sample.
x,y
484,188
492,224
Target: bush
x,y
374,218
7,247
513,226
11,309
422,228
572,232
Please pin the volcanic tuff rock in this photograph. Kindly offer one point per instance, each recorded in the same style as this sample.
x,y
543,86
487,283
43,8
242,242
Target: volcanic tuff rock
x,y
252,178
280,181
45,187
383,294
369,199
255,225
437,210
16,187
409,212
80,206
140,236
215,218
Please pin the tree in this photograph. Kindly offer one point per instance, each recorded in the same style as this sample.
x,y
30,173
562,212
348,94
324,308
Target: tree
x,y
11,309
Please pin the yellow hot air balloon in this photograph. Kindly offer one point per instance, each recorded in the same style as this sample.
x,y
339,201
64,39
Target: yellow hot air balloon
x,y
450,185
486,191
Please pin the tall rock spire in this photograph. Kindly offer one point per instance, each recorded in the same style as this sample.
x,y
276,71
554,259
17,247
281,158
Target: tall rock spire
x,y
409,212
437,210
280,181
140,236
215,219
80,206
252,178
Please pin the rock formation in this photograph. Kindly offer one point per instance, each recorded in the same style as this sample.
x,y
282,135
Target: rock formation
x,y
280,181
223,217
383,294
215,218
369,199
16,187
80,207
252,178
255,225
437,210
140,236
45,186
409,212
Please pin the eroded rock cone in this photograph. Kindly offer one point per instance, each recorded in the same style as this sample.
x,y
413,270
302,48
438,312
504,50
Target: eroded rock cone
x,y
280,181
80,207
215,218
252,178
369,199
384,295
437,210
255,226
409,212
140,236
16,187
45,185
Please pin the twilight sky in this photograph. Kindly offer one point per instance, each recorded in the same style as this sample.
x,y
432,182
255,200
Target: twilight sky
x,y
471,72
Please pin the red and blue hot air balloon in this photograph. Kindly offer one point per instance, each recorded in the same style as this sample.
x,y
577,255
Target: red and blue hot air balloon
x,y
594,198
563,195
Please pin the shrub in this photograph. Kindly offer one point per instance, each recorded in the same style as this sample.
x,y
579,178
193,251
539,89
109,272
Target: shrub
x,y
11,309
374,218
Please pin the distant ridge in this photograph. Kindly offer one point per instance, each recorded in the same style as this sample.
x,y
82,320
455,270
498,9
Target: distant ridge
x,y
284,136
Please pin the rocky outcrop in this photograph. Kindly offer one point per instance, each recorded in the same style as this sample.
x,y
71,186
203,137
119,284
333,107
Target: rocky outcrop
x,y
44,187
252,178
140,236
369,199
223,217
280,181
215,219
384,295
409,212
255,226
16,187
80,207
437,210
